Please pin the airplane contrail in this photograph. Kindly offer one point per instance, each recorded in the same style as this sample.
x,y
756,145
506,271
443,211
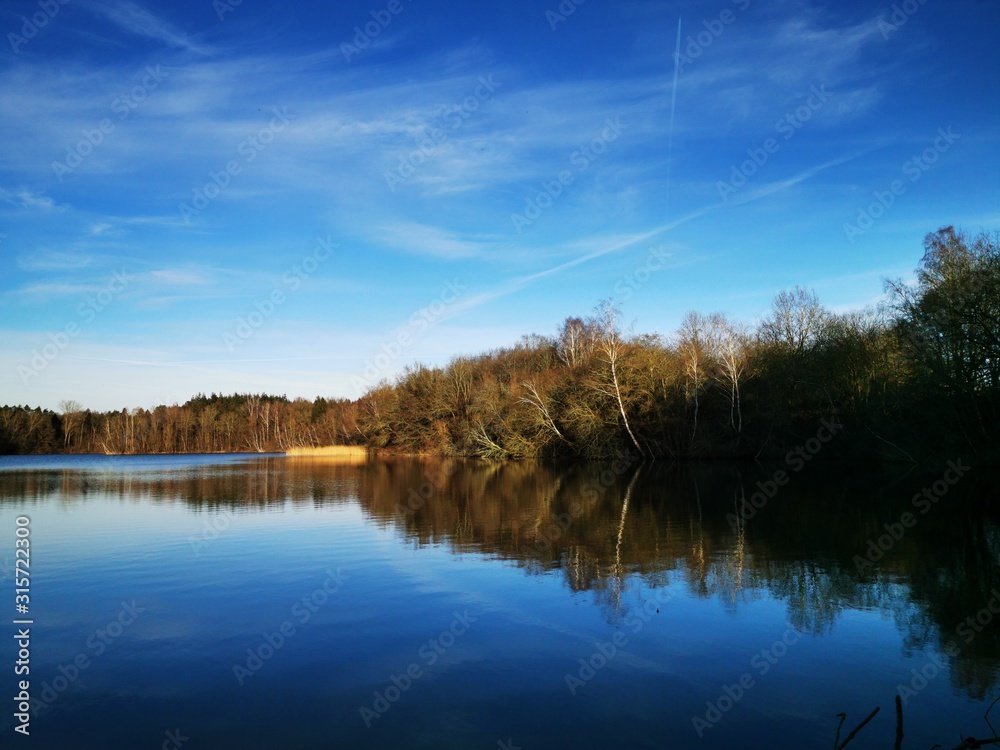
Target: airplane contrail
x,y
673,107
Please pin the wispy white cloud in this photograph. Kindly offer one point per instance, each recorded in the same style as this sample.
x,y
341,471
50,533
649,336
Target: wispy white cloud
x,y
102,228
181,276
135,19
27,199
778,186
50,290
51,260
71,274
760,68
422,239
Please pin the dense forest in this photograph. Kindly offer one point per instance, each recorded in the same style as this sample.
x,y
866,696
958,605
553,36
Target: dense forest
x,y
916,377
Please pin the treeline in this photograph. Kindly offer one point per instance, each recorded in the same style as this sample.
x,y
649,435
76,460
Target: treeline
x,y
915,377
204,424
918,376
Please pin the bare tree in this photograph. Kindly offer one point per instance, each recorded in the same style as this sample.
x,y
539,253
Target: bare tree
x,y
796,321
693,348
611,345
535,399
576,341
70,411
461,378
728,346
256,432
486,446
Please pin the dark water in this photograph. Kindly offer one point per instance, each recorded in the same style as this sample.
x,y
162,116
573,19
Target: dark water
x,y
248,602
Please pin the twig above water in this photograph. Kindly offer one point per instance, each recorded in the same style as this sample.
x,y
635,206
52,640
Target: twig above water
x,y
986,715
899,724
859,727
836,741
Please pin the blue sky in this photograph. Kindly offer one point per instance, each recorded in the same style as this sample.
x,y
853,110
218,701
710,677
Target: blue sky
x,y
303,197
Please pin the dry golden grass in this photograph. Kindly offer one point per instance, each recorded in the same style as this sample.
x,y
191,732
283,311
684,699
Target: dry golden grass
x,y
337,453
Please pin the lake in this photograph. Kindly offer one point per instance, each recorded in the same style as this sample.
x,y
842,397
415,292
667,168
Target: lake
x,y
271,602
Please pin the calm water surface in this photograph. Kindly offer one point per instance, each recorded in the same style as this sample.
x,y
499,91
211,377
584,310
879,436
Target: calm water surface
x,y
268,602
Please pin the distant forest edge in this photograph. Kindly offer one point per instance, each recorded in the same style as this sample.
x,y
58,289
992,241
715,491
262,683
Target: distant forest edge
x,y
913,379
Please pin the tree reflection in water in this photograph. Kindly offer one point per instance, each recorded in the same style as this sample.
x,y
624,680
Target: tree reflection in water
x,y
656,524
